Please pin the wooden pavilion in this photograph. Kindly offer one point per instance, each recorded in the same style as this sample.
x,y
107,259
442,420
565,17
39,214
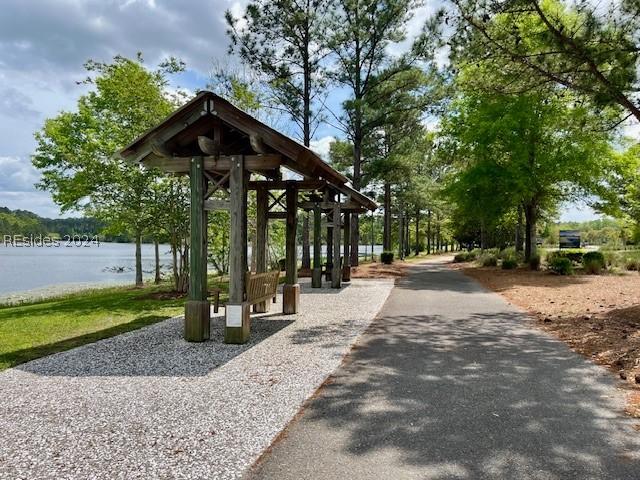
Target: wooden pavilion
x,y
223,149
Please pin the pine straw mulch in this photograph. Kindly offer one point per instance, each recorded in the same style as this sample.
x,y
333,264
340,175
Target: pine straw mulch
x,y
380,270
596,315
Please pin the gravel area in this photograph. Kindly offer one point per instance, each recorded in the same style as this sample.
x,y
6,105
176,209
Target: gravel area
x,y
147,404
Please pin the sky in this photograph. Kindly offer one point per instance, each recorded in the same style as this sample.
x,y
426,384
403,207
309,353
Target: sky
x,y
44,43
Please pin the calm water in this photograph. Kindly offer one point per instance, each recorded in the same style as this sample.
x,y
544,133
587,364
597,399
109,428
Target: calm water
x,y
26,268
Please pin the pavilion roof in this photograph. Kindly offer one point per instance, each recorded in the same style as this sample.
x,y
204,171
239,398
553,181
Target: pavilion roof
x,y
210,126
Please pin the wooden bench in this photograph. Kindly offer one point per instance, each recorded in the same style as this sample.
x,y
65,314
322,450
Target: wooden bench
x,y
261,287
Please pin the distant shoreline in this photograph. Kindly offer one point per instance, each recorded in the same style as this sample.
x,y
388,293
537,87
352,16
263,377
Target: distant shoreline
x,y
51,291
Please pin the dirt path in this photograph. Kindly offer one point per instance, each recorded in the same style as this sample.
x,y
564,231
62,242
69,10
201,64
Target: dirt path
x,y
452,382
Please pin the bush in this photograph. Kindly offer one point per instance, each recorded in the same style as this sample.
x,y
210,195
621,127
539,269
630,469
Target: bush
x,y
509,252
488,260
509,263
593,262
561,265
631,264
461,257
475,253
386,258
534,262
573,255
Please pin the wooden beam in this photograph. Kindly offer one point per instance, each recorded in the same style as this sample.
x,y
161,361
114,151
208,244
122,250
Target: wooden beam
x,y
215,204
346,206
336,271
213,164
262,227
282,184
209,146
197,316
277,215
257,143
237,322
291,264
346,265
238,233
329,221
316,275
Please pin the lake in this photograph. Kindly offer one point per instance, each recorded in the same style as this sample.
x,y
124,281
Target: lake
x,y
27,268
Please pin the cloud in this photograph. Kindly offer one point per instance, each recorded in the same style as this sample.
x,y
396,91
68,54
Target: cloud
x,y
15,104
44,44
322,145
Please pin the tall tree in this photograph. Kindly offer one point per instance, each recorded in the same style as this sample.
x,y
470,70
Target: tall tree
x,y
284,40
535,150
361,32
588,47
76,150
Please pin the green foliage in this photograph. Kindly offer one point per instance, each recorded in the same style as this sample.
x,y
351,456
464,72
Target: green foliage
x,y
461,257
632,264
550,42
488,260
561,265
573,255
509,264
593,262
76,151
386,258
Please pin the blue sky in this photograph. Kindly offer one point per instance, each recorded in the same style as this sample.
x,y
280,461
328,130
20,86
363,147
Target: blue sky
x,y
44,43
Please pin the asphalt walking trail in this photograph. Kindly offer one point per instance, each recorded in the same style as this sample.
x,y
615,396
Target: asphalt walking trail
x,y
451,382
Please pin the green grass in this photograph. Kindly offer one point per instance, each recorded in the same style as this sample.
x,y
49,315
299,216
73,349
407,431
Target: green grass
x,y
35,329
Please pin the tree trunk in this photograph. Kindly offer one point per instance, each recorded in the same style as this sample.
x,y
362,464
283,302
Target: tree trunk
x,y
386,236
417,232
139,260
174,264
156,246
428,232
306,253
401,235
407,238
519,236
531,217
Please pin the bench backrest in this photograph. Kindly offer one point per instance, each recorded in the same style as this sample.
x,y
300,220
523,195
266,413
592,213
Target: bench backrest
x,y
261,286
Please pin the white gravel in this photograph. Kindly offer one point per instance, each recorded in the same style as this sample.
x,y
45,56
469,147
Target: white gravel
x,y
147,404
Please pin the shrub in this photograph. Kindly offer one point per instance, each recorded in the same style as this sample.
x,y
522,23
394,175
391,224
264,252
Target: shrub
x,y
509,252
475,253
509,263
386,258
593,262
534,262
488,260
573,255
561,265
631,264
612,259
461,257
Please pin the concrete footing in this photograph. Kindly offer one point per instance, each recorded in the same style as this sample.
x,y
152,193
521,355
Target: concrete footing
x,y
237,324
290,298
197,320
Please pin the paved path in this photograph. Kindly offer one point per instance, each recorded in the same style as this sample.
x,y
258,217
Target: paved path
x,y
451,382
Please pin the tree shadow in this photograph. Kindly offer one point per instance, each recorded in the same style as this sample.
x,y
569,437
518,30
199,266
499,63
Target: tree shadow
x,y
479,396
159,350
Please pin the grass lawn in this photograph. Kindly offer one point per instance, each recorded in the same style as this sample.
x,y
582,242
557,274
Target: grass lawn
x,y
33,330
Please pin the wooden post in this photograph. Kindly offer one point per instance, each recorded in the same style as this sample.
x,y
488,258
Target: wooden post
x,y
336,272
237,321
291,288
197,315
316,275
346,266
262,223
328,216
